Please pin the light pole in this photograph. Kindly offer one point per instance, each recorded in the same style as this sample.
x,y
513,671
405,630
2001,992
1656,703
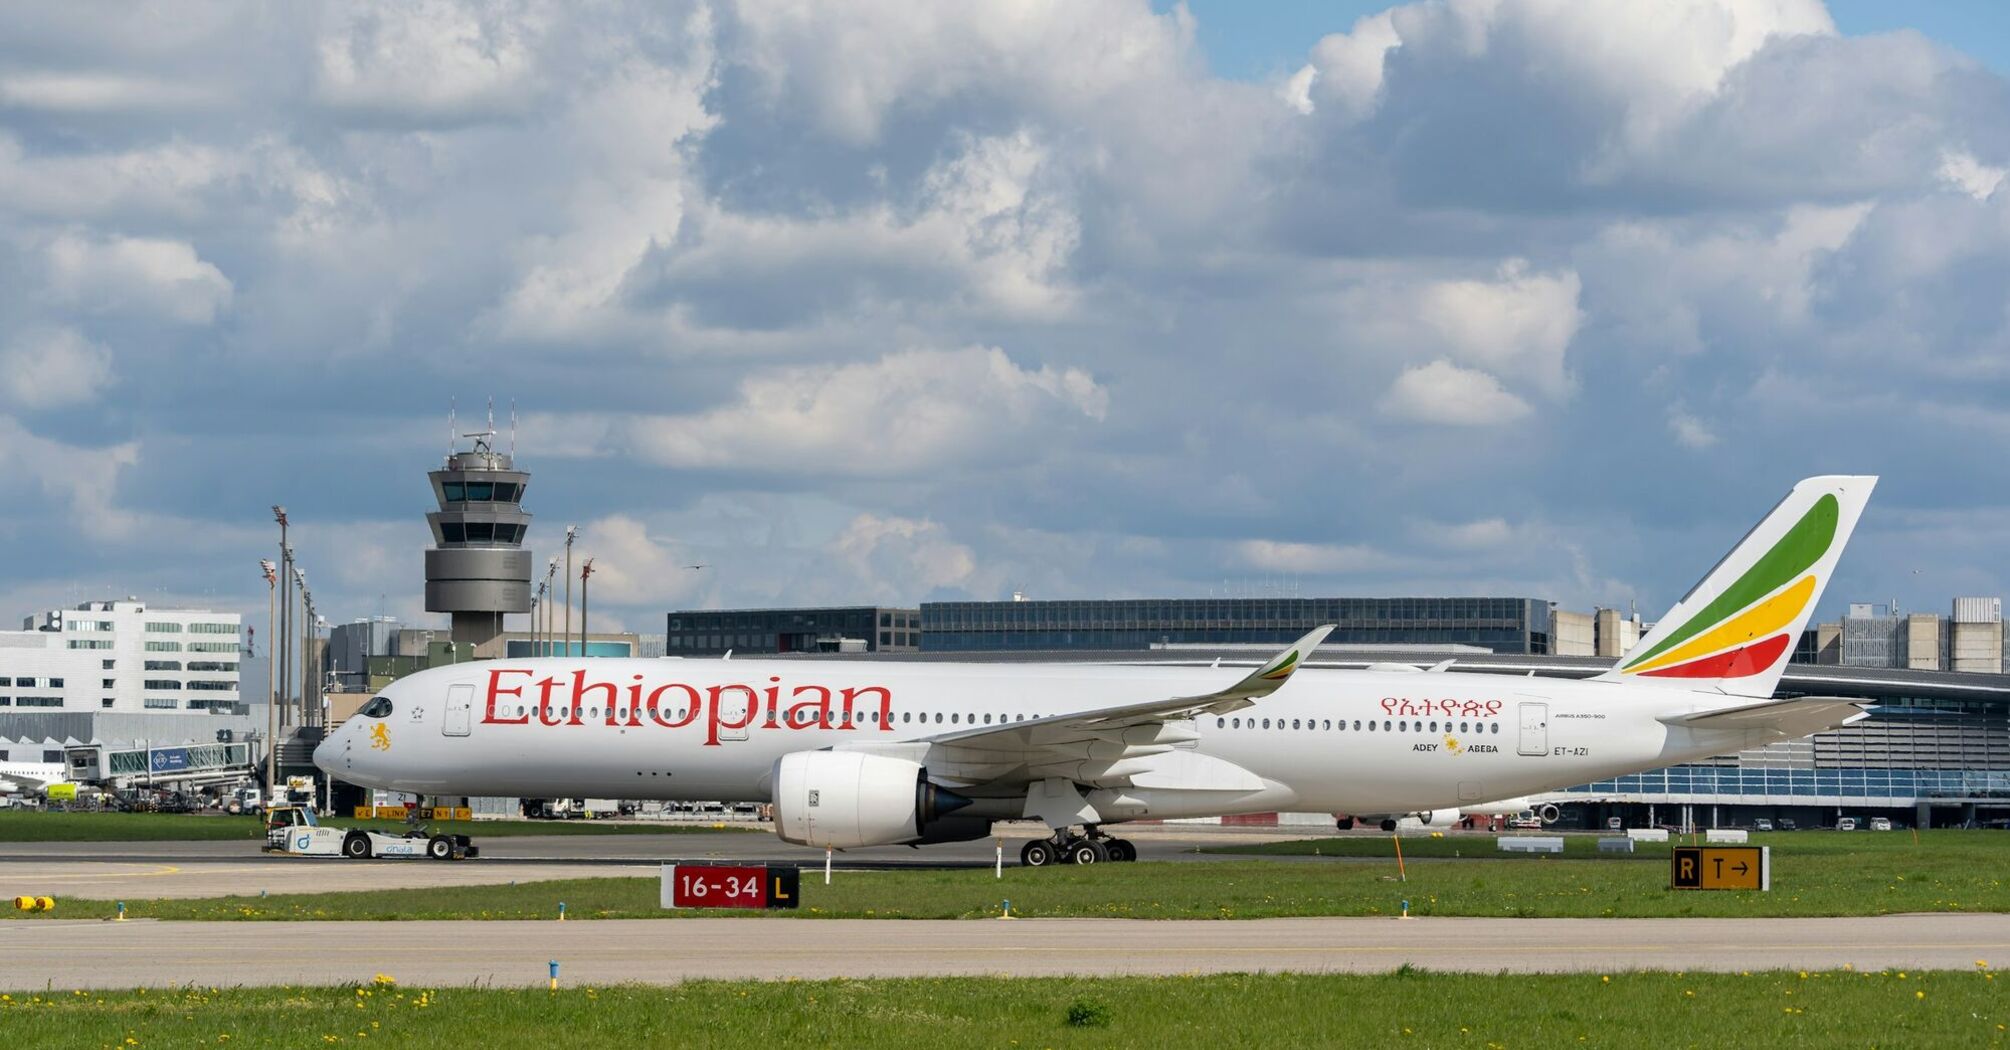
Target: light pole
x,y
283,647
297,667
571,531
550,574
271,676
585,571
534,600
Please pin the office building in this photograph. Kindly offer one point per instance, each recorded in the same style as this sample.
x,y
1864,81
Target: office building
x,y
1502,625
848,629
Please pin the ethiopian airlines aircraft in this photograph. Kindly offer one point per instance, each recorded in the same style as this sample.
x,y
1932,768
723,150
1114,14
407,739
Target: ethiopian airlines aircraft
x,y
867,753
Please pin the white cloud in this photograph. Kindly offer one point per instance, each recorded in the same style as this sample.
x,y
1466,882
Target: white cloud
x,y
83,480
905,413
430,59
1689,431
1444,393
95,93
164,278
52,368
901,560
1519,323
1970,176
1311,559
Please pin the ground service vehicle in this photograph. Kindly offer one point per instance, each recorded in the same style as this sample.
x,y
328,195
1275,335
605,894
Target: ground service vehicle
x,y
296,831
1880,823
1762,824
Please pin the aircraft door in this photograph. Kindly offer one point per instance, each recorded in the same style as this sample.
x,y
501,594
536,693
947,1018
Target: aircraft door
x,y
460,710
735,713
1535,729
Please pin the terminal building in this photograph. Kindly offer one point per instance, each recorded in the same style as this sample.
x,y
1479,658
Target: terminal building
x,y
120,671
847,629
1502,625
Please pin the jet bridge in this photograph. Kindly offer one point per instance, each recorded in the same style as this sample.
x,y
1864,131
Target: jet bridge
x,y
182,765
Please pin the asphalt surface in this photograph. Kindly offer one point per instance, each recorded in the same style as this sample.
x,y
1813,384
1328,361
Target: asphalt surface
x,y
77,954
141,870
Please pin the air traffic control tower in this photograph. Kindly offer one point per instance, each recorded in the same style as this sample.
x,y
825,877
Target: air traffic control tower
x,y
477,569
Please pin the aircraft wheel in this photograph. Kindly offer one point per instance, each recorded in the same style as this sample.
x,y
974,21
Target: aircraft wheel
x,y
1344,823
1121,850
440,847
1038,853
356,846
1388,825
1087,851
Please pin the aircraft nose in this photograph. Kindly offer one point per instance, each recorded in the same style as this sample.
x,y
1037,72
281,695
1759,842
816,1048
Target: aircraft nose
x,y
328,753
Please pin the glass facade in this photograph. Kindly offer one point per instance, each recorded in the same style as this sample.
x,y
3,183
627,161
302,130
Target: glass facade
x,y
844,629
1504,625
1907,750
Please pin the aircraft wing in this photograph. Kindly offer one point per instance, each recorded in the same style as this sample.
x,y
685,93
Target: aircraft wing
x,y
1129,744
1789,718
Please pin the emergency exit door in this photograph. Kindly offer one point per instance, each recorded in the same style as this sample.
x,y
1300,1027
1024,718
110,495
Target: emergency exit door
x,y
1535,729
460,710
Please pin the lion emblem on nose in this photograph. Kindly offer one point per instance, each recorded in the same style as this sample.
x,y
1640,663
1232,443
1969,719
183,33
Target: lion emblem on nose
x,y
380,737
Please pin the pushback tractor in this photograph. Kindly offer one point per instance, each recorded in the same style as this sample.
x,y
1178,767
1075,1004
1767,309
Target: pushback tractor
x,y
296,831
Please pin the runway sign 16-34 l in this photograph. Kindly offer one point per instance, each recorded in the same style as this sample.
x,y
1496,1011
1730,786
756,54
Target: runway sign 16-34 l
x,y
1721,868
728,886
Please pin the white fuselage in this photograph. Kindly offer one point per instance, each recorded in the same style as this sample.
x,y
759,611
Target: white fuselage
x,y
1328,741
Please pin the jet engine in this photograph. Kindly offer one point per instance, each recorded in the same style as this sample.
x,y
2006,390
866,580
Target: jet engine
x,y
842,799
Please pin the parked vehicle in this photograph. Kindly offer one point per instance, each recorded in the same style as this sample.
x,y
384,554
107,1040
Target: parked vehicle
x,y
296,831
1846,824
1787,824
1880,823
1762,824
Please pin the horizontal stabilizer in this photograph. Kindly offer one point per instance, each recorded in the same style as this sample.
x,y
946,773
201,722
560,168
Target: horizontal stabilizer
x,y
1789,718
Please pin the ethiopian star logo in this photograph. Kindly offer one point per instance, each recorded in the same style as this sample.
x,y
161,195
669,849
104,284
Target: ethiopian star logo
x,y
1452,744
380,737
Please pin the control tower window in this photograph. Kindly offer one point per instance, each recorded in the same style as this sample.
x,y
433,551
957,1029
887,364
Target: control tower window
x,y
480,491
480,531
378,707
507,491
454,491
452,532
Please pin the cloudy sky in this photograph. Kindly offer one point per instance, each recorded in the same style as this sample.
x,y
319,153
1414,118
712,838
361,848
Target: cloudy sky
x,y
878,302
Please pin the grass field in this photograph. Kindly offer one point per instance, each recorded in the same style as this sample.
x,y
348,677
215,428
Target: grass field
x,y
1406,1008
17,826
1837,875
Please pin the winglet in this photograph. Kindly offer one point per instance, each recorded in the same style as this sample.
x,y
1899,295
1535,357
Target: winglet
x,y
1278,670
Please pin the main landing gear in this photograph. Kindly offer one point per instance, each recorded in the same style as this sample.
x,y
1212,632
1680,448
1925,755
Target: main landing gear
x,y
1094,847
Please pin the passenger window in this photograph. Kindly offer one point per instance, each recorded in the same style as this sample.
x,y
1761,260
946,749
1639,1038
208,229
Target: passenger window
x,y
938,718
987,720
1385,725
1403,727
1266,723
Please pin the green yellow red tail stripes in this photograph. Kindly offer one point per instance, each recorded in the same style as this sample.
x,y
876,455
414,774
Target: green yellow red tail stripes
x,y
1741,621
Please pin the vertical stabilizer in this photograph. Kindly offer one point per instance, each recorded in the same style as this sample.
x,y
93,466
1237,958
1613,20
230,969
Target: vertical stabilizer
x,y
1735,631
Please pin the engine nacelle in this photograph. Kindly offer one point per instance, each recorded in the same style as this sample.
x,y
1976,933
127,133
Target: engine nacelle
x,y
841,799
1440,817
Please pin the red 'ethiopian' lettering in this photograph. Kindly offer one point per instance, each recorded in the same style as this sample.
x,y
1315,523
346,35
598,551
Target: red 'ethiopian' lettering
x,y
496,690
726,708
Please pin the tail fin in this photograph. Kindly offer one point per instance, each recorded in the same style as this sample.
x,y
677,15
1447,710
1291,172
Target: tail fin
x,y
1735,631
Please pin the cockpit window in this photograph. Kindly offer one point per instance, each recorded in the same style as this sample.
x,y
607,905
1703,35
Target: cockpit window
x,y
378,707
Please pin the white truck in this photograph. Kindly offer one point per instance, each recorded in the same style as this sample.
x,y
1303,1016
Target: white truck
x,y
297,832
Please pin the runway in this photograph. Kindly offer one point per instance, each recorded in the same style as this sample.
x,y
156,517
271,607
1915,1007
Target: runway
x,y
73,954
141,870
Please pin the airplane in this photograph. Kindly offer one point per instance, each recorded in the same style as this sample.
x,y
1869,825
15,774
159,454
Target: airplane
x,y
32,778
855,754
